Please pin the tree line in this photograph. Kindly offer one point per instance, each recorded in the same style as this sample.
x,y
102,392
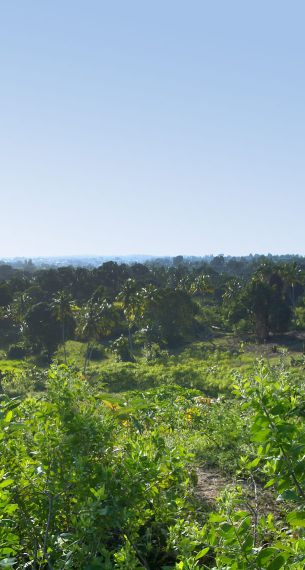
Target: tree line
x,y
145,305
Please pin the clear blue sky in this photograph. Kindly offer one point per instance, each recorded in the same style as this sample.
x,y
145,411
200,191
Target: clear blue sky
x,y
158,127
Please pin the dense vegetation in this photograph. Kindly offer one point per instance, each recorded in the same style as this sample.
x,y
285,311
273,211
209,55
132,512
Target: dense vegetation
x,y
155,303
139,429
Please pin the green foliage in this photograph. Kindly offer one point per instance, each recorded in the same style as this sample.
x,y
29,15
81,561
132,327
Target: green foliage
x,y
42,328
299,315
277,398
84,487
96,480
262,302
17,351
6,294
121,348
212,375
239,535
97,468
152,352
174,314
97,352
21,381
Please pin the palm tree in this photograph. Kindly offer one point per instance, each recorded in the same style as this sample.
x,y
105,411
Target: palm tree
x,y
201,286
292,276
130,300
20,307
89,326
62,306
146,313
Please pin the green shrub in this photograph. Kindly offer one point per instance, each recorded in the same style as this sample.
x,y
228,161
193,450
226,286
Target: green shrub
x,y
120,347
84,490
17,351
16,383
97,353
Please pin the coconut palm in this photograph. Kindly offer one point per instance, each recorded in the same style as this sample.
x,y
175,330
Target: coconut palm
x,y
129,300
292,275
62,306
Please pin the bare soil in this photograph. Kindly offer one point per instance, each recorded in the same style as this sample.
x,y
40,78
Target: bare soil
x,y
257,500
210,484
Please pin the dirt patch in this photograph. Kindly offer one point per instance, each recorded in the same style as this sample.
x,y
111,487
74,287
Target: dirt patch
x,y
255,499
210,483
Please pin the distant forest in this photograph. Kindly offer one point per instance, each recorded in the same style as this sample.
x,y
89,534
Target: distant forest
x,y
158,304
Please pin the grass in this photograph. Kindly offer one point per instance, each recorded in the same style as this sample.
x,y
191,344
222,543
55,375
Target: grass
x,y
203,365
209,366
13,365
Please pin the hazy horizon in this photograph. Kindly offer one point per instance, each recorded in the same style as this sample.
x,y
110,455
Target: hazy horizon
x,y
148,256
166,127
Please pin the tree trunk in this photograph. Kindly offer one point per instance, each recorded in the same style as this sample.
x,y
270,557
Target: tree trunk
x,y
261,328
64,341
292,296
86,357
130,340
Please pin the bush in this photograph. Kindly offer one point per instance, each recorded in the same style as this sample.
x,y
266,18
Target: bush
x,y
241,327
97,353
299,318
16,383
42,358
16,352
154,352
107,489
120,348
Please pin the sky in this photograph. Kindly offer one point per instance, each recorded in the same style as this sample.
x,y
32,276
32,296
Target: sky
x,y
158,127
